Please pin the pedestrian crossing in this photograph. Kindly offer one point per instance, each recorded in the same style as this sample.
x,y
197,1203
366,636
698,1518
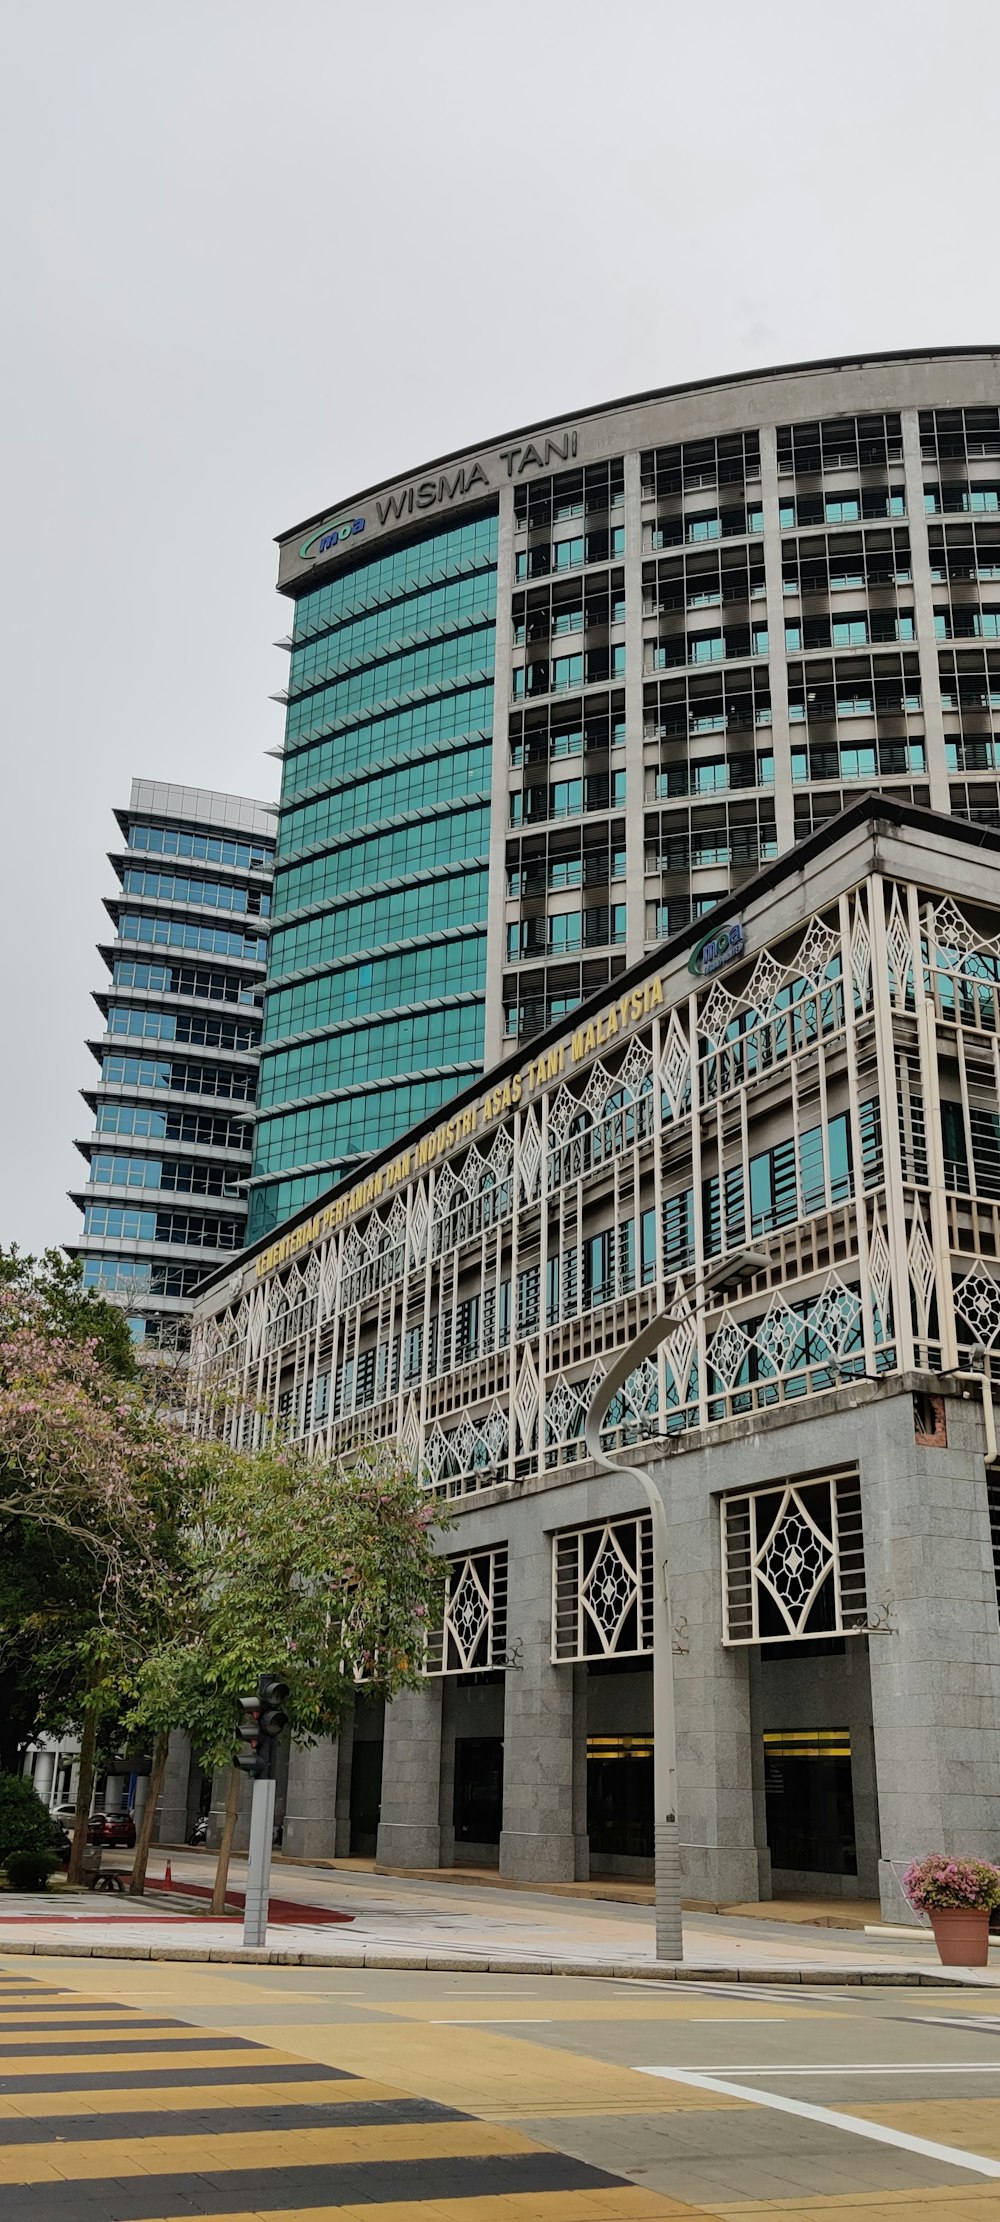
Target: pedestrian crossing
x,y
112,2114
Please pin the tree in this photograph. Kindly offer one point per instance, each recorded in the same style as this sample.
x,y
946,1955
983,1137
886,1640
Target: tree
x,y
51,1287
323,1571
90,1474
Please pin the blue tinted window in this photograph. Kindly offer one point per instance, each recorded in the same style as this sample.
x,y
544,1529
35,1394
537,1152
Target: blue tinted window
x,y
209,847
390,718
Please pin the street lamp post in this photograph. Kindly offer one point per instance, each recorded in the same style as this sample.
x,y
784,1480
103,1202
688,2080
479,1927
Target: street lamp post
x,y
666,1842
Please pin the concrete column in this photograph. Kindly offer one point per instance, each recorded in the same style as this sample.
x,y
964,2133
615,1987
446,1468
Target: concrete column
x,y
42,1777
715,1798
538,1842
784,793
447,1776
936,1677
172,1815
310,1830
342,1807
113,1786
923,604
409,1831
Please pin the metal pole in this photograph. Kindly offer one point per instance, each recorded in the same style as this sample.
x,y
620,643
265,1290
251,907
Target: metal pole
x,y
666,1847
259,1864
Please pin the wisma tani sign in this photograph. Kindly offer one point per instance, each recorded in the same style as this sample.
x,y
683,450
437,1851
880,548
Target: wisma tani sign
x,y
461,483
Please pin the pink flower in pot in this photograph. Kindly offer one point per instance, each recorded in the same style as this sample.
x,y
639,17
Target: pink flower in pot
x,y
958,1895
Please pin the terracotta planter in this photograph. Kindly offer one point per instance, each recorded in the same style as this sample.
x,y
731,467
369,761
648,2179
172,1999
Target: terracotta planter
x,y
962,1935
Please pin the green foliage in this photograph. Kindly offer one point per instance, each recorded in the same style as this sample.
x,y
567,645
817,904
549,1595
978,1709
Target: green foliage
x,y
30,1870
25,1825
323,1573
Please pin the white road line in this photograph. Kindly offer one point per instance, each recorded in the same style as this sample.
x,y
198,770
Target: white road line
x,y
857,2067
876,2132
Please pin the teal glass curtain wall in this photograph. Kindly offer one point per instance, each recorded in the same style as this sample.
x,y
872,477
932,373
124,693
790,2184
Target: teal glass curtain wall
x,y
376,979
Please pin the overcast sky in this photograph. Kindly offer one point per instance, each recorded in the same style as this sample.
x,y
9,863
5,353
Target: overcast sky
x,y
256,256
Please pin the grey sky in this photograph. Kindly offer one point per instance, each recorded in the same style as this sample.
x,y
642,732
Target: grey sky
x,y
256,256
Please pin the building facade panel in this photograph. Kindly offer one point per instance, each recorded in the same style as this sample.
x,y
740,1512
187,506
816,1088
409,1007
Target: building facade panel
x,y
169,1152
584,681
796,1157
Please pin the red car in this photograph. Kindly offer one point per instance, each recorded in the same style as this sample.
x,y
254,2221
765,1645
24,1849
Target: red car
x,y
112,1828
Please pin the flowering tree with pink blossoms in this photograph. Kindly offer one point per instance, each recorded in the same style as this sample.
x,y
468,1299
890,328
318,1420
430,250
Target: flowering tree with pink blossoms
x,y
90,1474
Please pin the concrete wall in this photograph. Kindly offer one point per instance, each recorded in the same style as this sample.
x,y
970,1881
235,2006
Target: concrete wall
x,y
920,1695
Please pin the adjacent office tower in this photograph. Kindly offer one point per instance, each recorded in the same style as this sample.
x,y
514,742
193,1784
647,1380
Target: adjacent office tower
x,y
169,1151
554,697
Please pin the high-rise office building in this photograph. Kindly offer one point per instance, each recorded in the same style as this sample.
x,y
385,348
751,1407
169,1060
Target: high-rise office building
x,y
555,696
168,1155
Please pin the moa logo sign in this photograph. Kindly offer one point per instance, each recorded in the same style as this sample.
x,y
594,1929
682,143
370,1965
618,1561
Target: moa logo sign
x,y
718,949
331,536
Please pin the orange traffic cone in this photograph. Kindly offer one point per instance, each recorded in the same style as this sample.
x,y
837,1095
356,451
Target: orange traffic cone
x,y
168,1880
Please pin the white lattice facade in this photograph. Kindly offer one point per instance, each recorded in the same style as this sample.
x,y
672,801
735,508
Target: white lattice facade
x,y
829,1103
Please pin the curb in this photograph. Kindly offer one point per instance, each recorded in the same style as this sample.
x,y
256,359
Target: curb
x,y
468,1963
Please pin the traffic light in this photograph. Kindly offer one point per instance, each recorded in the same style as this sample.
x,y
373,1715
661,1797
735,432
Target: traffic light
x,y
262,1718
248,1735
272,1694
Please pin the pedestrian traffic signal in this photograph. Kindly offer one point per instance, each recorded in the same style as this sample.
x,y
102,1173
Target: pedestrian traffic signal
x,y
262,1719
272,1694
248,1734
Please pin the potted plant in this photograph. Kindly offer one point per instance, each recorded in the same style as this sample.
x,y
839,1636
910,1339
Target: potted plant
x,y
958,1895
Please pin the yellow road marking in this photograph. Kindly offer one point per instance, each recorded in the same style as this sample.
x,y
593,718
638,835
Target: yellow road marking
x,y
939,2203
492,2076
627,2204
617,2006
191,2098
972,2123
115,2157
117,2063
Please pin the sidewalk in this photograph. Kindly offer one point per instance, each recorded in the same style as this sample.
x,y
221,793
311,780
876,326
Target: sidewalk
x,y
416,1922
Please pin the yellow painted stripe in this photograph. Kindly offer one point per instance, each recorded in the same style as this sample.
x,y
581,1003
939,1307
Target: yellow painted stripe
x,y
191,2098
627,2204
85,2021
619,2005
118,2063
972,2124
145,2156
496,2075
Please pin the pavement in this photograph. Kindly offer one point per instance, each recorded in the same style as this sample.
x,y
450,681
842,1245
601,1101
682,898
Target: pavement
x,y
151,2092
417,1922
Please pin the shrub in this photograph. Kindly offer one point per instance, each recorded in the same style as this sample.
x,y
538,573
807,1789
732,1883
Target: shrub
x,y
30,1870
25,1824
934,1884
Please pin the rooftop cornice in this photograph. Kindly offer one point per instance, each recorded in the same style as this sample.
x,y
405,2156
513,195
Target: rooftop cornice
x,y
988,351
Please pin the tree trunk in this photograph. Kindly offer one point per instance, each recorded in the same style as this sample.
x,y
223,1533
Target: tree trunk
x,y
137,1879
230,1818
84,1793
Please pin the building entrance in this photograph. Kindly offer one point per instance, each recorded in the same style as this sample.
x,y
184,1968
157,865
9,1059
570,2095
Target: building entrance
x,y
620,1796
478,1806
809,1800
366,1798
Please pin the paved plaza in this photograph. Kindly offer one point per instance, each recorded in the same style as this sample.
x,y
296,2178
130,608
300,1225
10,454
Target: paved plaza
x,y
422,1922
141,2092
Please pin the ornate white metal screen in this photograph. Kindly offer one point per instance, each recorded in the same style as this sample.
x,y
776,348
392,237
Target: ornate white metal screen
x,y
793,1564
831,1101
473,1636
602,1591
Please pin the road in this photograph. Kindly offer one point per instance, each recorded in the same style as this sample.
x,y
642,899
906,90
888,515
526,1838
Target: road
x,y
138,2090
